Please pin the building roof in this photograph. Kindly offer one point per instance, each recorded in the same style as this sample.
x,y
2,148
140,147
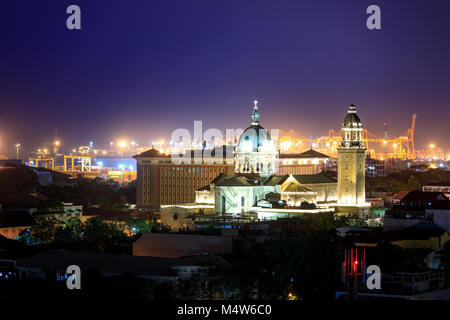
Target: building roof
x,y
400,195
307,154
294,187
351,119
417,232
423,196
221,177
438,184
254,179
275,180
115,214
15,219
151,153
114,264
242,180
314,178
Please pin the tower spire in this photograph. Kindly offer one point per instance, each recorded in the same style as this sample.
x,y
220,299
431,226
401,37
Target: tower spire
x,y
255,114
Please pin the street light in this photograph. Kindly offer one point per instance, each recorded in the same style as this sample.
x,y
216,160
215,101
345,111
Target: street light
x,y
17,150
122,144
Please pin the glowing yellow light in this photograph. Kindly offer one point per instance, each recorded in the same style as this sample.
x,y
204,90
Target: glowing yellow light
x,y
122,144
395,145
384,142
432,145
57,143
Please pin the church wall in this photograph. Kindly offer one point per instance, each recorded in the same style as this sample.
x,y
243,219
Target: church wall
x,y
324,191
232,197
293,199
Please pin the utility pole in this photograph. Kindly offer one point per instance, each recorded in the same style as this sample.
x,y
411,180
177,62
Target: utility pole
x,y
17,150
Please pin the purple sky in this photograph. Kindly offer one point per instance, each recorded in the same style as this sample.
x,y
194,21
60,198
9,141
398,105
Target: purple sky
x,y
141,68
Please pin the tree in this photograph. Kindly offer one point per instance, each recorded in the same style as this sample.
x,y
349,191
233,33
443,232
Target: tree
x,y
303,265
44,229
413,183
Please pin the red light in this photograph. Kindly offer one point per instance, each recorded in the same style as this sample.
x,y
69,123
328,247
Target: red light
x,y
356,262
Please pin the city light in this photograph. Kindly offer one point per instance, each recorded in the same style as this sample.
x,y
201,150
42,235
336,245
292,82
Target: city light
x,y
122,144
17,150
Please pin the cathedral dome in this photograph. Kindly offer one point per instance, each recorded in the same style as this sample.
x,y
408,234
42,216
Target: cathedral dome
x,y
352,120
256,139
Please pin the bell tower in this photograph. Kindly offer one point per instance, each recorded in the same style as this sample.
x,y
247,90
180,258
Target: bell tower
x,y
351,162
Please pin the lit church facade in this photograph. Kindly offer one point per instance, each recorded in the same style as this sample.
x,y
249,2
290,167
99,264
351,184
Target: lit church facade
x,y
258,188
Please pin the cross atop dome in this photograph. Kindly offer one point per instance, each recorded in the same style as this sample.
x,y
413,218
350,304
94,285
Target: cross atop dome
x,y
255,114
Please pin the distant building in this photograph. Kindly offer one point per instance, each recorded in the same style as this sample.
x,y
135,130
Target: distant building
x,y
52,266
395,165
12,223
308,162
46,176
438,186
375,168
162,182
417,199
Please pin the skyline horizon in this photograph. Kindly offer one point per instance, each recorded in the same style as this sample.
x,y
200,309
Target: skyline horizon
x,y
105,143
141,71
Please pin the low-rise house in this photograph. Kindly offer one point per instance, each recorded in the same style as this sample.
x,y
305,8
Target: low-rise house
x,y
55,263
12,223
176,245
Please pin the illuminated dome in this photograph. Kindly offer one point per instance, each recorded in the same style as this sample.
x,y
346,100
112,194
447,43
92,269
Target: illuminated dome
x,y
351,120
256,139
255,151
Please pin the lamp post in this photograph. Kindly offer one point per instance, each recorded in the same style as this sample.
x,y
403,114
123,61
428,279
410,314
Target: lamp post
x,y
122,144
17,150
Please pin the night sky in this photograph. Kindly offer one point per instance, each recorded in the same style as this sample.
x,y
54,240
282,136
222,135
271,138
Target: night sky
x,y
139,69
